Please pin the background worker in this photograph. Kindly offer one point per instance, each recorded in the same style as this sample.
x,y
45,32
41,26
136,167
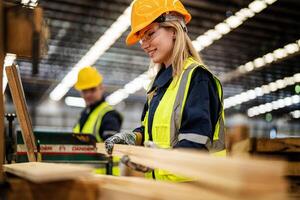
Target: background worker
x,y
98,117
184,106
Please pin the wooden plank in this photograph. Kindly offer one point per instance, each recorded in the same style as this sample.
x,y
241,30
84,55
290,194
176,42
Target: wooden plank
x,y
285,148
39,172
133,187
231,174
78,189
278,145
1,93
18,96
138,188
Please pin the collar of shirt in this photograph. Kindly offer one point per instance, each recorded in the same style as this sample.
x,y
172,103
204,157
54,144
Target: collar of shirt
x,y
94,105
164,76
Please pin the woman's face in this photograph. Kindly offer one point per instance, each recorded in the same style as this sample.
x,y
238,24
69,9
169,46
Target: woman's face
x,y
158,43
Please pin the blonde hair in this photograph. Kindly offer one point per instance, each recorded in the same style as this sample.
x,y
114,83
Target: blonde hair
x,y
183,48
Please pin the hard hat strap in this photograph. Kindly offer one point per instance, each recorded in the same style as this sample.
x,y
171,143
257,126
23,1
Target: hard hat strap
x,y
171,16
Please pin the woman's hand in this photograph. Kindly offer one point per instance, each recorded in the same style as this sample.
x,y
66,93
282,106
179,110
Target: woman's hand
x,y
119,138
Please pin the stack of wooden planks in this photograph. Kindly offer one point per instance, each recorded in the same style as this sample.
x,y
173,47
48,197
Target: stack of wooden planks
x,y
283,148
39,172
230,178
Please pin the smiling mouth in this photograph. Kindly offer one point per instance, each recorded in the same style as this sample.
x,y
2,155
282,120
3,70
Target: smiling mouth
x,y
150,53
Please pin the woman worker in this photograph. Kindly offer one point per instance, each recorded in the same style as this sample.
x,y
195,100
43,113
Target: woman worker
x,y
184,106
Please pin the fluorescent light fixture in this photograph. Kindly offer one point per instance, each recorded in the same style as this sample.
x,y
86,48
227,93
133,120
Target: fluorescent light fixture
x,y
75,102
295,114
249,66
280,53
133,86
260,62
245,13
98,49
260,91
257,6
269,58
234,21
274,105
231,23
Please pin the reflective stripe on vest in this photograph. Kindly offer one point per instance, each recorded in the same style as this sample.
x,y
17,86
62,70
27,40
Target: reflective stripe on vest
x,y
167,118
93,123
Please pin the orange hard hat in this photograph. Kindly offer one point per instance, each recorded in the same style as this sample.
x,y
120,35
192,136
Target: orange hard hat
x,y
144,12
88,77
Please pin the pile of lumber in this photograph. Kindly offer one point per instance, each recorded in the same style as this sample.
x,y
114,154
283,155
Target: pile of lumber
x,y
287,149
220,178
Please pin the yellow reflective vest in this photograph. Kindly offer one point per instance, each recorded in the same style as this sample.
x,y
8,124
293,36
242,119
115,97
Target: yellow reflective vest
x,y
92,126
167,119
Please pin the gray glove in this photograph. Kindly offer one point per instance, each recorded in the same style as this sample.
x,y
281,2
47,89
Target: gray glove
x,y
119,138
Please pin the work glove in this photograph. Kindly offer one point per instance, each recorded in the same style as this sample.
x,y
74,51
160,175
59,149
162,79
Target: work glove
x,y
119,138
135,166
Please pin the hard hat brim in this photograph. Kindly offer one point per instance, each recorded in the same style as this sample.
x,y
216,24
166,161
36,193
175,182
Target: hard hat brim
x,y
133,38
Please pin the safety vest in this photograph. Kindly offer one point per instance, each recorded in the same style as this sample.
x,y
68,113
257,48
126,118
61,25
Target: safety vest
x,y
167,119
93,123
92,126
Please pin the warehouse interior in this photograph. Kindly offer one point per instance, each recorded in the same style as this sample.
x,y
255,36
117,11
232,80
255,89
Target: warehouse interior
x,y
251,45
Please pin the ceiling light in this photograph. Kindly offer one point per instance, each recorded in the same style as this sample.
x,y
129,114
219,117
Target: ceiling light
x,y
75,101
245,13
249,66
270,1
289,80
296,77
280,84
259,91
295,114
291,48
234,21
259,62
280,53
204,40
222,28
280,103
269,58
264,89
273,86
213,34
257,6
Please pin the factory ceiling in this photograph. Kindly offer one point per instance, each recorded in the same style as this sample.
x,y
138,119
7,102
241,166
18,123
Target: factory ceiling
x,y
76,25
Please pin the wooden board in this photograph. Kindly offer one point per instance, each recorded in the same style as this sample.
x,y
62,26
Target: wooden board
x,y
23,23
78,189
1,93
39,172
19,100
138,188
247,176
277,145
285,148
